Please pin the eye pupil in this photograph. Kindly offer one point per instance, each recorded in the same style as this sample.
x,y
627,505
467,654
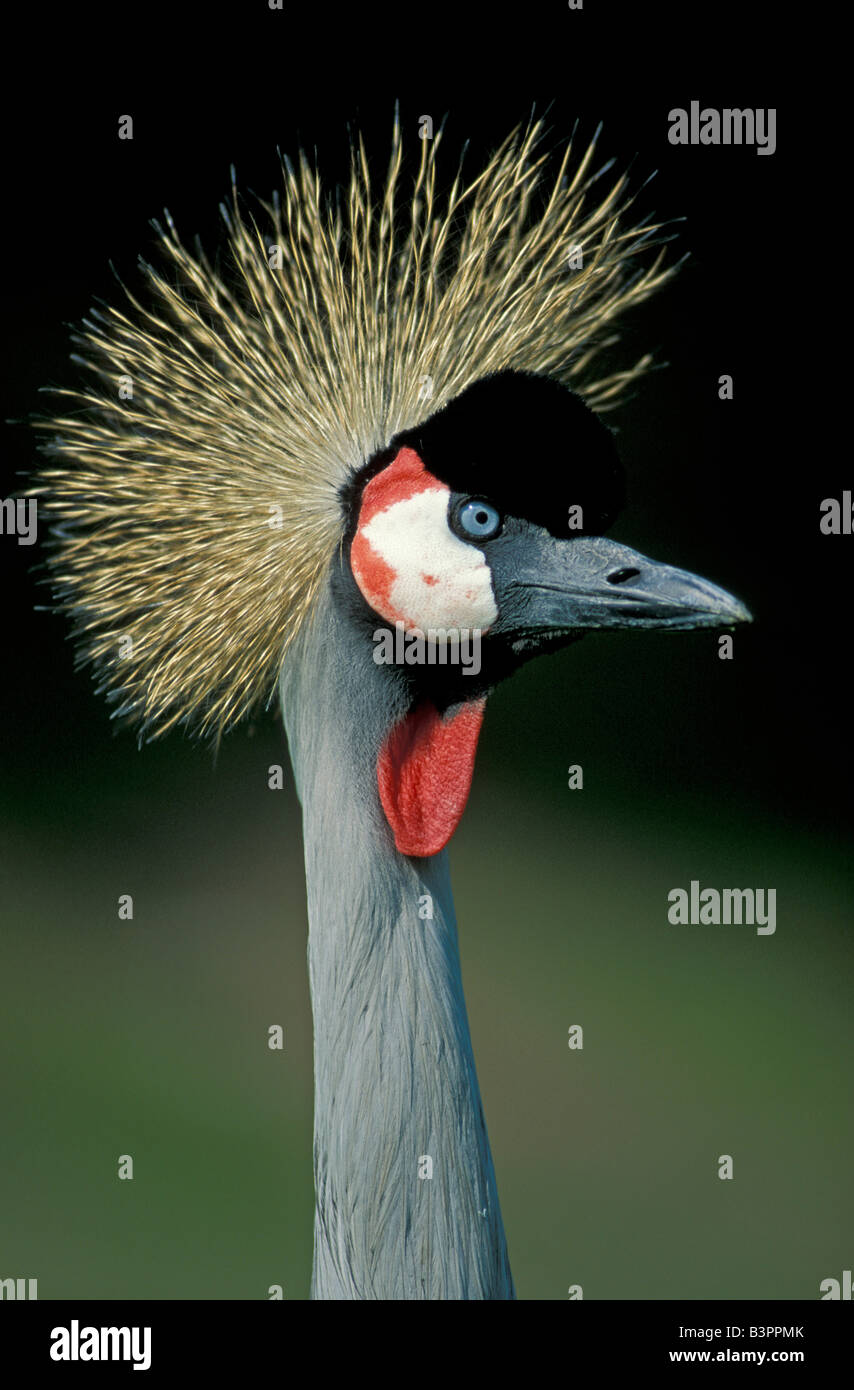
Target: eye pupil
x,y
482,518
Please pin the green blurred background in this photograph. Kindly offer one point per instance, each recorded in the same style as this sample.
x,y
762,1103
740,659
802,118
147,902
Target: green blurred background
x,y
150,1038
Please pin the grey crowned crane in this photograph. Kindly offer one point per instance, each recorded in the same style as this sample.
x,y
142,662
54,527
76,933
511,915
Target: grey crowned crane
x,y
379,417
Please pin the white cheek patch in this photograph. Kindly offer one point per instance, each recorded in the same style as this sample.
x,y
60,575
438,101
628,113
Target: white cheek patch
x,y
435,580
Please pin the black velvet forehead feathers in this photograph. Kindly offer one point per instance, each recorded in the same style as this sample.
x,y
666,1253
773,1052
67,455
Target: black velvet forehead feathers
x,y
524,443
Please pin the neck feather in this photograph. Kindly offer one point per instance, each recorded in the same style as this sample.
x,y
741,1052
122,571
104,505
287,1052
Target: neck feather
x,y
407,1206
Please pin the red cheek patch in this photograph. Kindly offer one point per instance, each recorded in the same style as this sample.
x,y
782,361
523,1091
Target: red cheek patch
x,y
403,478
374,575
424,774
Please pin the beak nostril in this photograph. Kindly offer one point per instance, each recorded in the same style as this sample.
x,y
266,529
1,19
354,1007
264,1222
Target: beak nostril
x,y
620,576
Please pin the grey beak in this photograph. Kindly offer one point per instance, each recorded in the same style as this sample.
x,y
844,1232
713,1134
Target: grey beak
x,y
558,586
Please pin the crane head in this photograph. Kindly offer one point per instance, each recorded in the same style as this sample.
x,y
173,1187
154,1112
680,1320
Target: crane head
x,y
195,478
484,525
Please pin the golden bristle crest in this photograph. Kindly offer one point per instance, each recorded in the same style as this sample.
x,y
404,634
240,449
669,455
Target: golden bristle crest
x,y
197,515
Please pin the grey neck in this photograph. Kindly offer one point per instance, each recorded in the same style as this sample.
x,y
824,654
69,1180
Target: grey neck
x,y
407,1206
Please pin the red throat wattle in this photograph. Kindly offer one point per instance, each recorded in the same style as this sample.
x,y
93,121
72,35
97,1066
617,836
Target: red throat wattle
x,y
424,774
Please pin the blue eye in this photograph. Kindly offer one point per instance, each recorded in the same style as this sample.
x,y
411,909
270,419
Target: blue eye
x,y
478,519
